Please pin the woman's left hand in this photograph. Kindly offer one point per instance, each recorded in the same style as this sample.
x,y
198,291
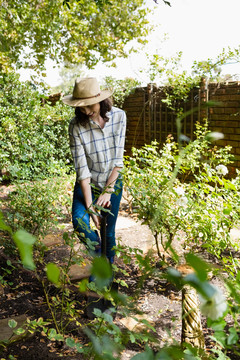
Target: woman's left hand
x,y
104,200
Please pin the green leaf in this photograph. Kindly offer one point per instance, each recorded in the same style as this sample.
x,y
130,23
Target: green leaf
x,y
175,277
101,270
52,334
19,331
53,273
229,185
79,348
200,266
233,336
97,312
12,323
214,136
238,276
203,287
82,285
24,242
107,317
3,226
217,325
220,337
132,338
227,210
70,342
59,337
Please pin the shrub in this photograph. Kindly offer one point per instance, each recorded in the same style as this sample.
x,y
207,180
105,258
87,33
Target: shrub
x,y
204,208
33,138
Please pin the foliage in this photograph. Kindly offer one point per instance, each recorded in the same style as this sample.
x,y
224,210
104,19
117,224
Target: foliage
x,y
33,137
212,68
83,32
178,83
23,240
177,191
225,337
182,193
204,208
36,206
121,88
105,337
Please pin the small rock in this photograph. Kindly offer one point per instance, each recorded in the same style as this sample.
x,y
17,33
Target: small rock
x,y
79,272
132,324
52,240
7,333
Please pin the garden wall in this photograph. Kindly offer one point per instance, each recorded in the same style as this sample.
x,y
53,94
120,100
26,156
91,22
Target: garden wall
x,y
149,117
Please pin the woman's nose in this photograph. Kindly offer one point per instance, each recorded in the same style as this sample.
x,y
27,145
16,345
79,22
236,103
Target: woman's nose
x,y
85,110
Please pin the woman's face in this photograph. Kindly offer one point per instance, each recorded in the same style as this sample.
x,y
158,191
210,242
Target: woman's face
x,y
92,111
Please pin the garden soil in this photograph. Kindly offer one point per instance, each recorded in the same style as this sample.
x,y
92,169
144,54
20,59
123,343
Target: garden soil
x,y
22,295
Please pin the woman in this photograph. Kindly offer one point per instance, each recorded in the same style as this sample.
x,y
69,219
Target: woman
x,y
97,137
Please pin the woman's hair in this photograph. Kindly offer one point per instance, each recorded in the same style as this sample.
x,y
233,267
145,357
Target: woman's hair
x,y
105,106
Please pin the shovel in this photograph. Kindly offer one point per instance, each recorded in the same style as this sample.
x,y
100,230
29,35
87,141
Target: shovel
x,y
93,301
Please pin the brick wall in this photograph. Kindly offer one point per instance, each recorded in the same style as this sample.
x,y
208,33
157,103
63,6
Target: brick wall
x,y
149,118
225,117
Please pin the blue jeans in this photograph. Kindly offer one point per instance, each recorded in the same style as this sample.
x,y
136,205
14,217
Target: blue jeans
x,y
82,226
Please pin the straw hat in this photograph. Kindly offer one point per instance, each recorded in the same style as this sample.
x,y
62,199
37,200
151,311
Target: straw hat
x,y
86,92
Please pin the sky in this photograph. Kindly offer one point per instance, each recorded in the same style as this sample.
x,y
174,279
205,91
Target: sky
x,y
198,28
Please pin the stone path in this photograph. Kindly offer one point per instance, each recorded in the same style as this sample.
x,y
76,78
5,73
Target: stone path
x,y
131,233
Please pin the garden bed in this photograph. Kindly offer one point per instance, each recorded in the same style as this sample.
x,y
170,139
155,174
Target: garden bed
x,y
159,301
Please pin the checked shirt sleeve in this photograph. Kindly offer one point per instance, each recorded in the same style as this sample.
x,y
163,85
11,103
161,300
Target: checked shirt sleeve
x,y
120,148
78,154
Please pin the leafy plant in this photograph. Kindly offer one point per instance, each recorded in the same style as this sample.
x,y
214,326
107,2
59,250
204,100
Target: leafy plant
x,y
121,88
175,83
33,138
204,208
36,206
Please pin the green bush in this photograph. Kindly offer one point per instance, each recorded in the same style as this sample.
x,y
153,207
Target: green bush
x,y
204,209
37,205
33,137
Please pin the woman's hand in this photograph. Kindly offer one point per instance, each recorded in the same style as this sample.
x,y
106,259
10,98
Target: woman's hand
x,y
104,200
96,220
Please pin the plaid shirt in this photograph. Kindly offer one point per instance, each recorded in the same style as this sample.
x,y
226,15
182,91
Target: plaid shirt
x,y
97,151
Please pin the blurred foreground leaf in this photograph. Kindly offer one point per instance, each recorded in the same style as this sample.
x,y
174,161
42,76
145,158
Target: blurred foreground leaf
x,y
24,242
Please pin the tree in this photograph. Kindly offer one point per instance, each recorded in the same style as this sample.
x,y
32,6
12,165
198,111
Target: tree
x,y
82,32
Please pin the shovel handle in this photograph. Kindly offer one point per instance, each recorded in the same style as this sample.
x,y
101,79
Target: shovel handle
x,y
104,215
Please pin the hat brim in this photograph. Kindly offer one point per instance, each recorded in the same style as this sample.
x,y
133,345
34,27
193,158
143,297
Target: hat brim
x,y
70,100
